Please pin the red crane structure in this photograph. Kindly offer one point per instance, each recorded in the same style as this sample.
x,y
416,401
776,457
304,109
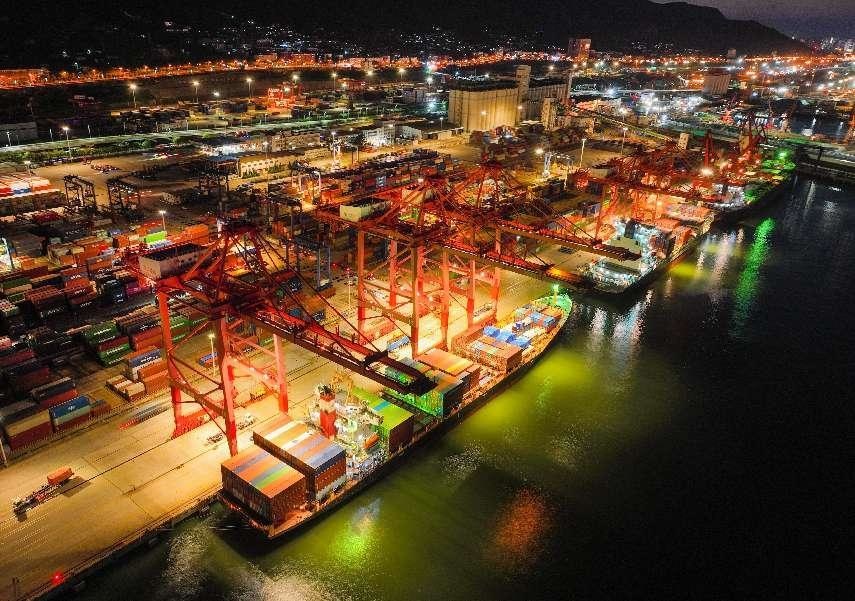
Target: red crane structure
x,y
448,239
243,284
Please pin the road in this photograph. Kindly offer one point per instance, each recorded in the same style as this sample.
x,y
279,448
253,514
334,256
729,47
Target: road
x,y
61,144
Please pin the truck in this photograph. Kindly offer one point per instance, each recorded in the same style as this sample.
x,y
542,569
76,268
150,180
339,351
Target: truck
x,y
55,481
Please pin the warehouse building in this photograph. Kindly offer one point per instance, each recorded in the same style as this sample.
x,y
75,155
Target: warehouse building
x,y
169,261
263,163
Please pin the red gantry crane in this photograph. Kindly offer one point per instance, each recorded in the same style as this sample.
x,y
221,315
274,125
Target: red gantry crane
x,y
446,239
243,284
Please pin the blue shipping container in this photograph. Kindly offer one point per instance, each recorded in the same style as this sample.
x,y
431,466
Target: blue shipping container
x,y
67,407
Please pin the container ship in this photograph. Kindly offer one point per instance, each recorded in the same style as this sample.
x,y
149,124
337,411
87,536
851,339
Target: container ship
x,y
296,470
665,240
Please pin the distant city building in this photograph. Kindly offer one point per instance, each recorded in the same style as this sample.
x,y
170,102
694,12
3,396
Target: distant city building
x,y
17,77
716,82
579,49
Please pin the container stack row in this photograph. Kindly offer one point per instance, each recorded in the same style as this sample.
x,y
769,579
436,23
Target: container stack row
x,y
396,424
27,422
266,486
320,460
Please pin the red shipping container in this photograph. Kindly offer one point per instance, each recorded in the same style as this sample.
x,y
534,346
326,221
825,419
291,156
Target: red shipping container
x,y
32,380
109,344
74,422
58,398
59,476
16,358
30,436
101,409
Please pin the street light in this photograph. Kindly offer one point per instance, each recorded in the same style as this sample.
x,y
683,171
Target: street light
x,y
295,78
401,72
334,75
196,88
483,120
67,141
216,94
582,154
623,139
519,113
213,352
163,218
133,88
538,151
249,85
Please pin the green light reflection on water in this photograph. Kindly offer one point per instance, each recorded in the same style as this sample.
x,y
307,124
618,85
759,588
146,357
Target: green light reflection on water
x,y
746,288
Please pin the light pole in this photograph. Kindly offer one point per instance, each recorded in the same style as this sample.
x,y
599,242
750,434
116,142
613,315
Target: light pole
x,y
67,140
196,89
213,352
519,113
133,88
483,120
9,137
163,218
582,154
401,72
429,81
623,139
27,165
334,75
249,86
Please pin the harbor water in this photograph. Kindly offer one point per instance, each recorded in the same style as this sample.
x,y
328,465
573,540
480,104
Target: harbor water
x,y
693,442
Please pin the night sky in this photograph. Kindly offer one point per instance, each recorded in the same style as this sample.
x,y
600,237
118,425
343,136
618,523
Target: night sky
x,y
802,18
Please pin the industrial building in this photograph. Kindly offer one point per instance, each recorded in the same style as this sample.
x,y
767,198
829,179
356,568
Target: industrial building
x,y
482,104
295,138
223,145
539,90
478,105
716,82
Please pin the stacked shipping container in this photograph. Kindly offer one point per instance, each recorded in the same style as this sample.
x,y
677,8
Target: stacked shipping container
x,y
321,461
266,486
